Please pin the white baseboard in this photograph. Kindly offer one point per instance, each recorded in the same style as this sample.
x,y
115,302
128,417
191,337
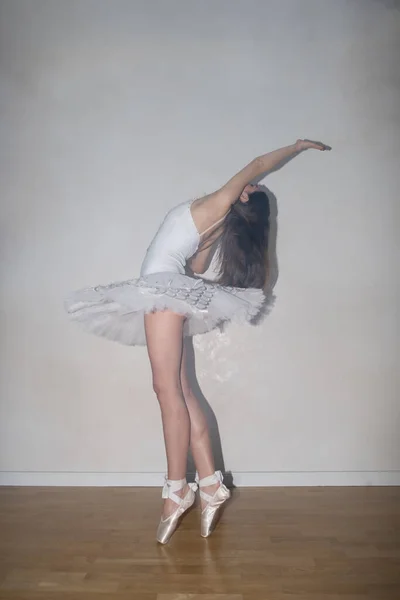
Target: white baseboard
x,y
240,479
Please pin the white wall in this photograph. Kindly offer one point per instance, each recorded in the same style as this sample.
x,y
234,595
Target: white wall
x,y
112,112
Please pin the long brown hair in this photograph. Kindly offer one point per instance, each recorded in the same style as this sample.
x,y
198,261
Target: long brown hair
x,y
242,249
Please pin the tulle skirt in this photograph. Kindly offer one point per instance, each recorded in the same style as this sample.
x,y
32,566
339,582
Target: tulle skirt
x,y
116,311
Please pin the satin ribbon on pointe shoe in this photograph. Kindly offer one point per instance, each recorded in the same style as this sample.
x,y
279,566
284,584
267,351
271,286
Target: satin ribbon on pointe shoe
x,y
209,515
167,526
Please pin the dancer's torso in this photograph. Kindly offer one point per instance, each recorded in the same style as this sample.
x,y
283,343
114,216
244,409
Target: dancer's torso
x,y
175,242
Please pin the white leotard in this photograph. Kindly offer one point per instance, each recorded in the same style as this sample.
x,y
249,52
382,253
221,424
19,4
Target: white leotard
x,y
175,242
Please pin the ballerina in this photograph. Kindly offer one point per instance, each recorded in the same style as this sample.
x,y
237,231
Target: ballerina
x,y
170,301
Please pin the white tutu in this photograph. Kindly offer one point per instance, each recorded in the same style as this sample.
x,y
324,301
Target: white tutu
x,y
116,311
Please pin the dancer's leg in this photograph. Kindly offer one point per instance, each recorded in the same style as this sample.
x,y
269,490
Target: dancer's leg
x,y
200,441
164,333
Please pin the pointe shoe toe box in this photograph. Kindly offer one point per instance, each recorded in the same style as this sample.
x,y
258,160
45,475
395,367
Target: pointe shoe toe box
x,y
167,527
211,512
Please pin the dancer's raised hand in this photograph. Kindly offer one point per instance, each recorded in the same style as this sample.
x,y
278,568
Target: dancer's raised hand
x,y
308,144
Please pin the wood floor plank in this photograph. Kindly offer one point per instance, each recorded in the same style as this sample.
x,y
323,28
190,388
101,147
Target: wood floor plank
x,y
199,597
86,595
271,544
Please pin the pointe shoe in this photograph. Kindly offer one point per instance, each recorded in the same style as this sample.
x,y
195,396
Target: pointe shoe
x,y
168,526
209,515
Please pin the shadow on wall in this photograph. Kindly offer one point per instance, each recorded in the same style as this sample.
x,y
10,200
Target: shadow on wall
x,y
272,278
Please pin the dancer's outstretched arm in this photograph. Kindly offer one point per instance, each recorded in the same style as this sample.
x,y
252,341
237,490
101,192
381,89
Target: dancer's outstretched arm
x,y
210,208
262,165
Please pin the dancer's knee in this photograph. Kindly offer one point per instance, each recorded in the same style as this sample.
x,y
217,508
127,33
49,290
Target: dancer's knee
x,y
168,391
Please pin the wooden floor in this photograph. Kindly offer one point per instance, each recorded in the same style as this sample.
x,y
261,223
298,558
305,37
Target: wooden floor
x,y
271,544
